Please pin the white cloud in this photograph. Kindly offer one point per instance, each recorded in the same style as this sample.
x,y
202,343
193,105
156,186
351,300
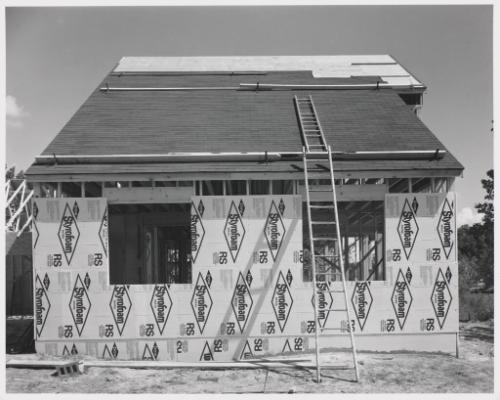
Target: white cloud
x,y
15,112
468,216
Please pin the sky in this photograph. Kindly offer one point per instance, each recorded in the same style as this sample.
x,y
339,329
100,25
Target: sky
x,y
56,56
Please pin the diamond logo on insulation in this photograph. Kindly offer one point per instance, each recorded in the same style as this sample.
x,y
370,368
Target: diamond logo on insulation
x,y
249,278
325,302
35,233
201,302
79,305
201,208
408,275
401,299
441,298
289,277
161,305
414,205
361,302
274,231
46,281
86,280
246,353
148,354
42,306
281,301
155,350
114,350
448,274
241,302
103,232
35,210
206,353
445,228
281,207
120,305
407,228
234,231
241,207
68,234
197,232
286,347
107,354
208,279
76,210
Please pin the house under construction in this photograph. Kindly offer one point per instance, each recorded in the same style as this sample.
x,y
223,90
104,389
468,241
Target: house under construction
x,y
227,208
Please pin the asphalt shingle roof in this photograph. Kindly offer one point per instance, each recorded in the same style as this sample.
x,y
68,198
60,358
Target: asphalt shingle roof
x,y
157,122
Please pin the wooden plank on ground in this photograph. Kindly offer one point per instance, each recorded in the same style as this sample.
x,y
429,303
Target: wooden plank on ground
x,y
37,364
197,365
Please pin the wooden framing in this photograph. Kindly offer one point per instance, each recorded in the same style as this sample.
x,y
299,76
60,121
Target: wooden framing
x,y
349,189
189,176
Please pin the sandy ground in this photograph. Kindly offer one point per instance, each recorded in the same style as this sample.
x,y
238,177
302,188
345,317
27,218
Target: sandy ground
x,y
380,372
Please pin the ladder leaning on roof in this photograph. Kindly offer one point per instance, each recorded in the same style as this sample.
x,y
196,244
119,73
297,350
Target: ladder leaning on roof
x,y
311,128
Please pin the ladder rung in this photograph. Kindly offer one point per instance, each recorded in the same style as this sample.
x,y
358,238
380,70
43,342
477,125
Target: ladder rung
x,y
323,222
324,238
313,206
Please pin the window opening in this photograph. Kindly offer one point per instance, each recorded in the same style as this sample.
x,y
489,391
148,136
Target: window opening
x,y
149,243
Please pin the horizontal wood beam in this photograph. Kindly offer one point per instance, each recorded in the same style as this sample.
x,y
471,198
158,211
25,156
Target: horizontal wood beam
x,y
189,176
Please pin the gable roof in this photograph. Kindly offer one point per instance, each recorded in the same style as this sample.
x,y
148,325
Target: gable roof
x,y
216,116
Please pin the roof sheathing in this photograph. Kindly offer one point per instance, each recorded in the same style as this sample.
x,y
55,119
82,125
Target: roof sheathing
x,y
340,66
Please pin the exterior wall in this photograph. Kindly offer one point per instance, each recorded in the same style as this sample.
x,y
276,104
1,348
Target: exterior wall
x,y
248,297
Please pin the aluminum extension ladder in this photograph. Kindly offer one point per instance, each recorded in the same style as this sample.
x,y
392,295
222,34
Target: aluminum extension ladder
x,y
320,160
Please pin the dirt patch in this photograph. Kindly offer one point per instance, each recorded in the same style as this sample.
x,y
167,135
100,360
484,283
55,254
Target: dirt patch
x,y
380,372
